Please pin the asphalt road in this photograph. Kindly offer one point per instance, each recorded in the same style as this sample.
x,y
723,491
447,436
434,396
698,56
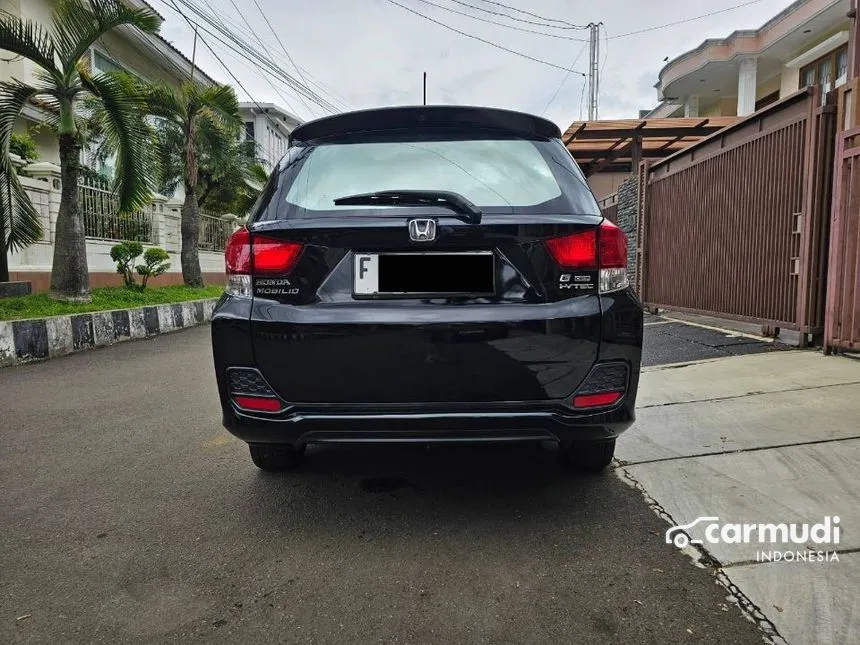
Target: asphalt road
x,y
668,341
127,515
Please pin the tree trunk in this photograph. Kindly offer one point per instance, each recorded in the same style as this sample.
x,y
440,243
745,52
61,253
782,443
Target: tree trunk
x,y
4,259
191,274
4,252
70,278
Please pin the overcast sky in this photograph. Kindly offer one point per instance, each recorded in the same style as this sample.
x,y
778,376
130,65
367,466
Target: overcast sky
x,y
373,52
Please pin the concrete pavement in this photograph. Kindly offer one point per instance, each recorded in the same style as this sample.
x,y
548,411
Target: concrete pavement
x,y
127,515
768,438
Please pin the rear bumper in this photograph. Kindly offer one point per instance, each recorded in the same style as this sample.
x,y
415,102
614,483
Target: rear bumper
x,y
501,422
613,328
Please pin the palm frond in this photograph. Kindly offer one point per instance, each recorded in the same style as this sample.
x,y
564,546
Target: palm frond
x,y
121,119
19,221
221,101
168,141
165,102
80,23
258,173
212,132
27,38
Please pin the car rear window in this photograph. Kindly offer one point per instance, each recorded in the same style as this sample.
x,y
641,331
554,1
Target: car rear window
x,y
497,174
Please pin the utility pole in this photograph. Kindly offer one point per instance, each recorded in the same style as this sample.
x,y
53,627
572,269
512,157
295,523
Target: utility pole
x,y
194,53
425,88
594,71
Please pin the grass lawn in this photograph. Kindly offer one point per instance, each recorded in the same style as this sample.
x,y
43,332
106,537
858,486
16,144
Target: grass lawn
x,y
39,305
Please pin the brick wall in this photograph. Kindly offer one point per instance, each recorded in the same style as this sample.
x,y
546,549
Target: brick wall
x,y
628,220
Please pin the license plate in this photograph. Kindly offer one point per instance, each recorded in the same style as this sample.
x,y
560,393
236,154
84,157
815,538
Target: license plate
x,y
398,274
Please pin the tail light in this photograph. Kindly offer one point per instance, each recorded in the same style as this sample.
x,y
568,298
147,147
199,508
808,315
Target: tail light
x,y
245,256
602,249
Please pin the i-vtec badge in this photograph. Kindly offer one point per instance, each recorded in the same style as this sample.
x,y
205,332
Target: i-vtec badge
x,y
422,230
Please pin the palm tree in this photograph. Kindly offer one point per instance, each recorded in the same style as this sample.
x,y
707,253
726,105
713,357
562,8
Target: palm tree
x,y
199,112
62,80
230,177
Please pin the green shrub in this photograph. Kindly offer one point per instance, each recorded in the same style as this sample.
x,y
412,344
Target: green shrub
x,y
24,146
155,262
124,254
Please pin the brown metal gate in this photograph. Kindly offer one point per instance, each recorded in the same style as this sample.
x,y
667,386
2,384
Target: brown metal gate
x,y
842,319
735,225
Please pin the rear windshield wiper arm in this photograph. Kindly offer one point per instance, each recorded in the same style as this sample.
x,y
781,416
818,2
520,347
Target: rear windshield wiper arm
x,y
469,213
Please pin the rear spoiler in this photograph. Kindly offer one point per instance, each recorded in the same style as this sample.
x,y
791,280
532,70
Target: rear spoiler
x,y
432,116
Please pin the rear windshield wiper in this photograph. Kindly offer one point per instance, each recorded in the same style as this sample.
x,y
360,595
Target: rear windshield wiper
x,y
441,198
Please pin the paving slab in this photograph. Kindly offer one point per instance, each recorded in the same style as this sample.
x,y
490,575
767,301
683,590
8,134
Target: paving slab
x,y
795,484
808,602
728,425
744,375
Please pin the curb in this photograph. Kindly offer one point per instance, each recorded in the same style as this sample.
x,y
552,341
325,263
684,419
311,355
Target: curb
x,y
24,341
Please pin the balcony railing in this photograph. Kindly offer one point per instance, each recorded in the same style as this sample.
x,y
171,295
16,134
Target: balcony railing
x,y
102,220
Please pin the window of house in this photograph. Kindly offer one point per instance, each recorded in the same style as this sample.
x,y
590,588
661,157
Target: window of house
x,y
249,130
102,64
830,71
841,67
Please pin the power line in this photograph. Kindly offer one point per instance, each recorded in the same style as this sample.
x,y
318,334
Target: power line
x,y
564,80
265,49
534,15
522,20
242,48
249,32
606,53
686,20
582,100
258,72
488,42
501,24
331,92
280,42
226,69
300,88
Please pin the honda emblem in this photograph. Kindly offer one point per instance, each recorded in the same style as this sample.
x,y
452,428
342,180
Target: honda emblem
x,y
422,230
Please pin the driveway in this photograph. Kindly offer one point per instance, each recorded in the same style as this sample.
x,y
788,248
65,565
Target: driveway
x,y
128,515
767,438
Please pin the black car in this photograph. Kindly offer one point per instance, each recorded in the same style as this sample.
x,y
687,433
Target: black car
x,y
427,274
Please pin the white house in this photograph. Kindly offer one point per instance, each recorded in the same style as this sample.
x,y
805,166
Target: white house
x,y
805,44
151,58
269,126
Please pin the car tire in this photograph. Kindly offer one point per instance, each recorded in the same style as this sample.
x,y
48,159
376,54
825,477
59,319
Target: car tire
x,y
589,456
273,457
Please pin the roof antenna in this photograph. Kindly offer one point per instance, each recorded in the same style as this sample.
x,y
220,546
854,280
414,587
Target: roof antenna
x,y
425,88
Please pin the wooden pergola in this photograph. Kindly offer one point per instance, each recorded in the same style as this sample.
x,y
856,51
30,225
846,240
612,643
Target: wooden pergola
x,y
619,146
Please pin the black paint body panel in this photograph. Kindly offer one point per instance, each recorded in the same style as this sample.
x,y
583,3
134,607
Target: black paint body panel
x,y
333,363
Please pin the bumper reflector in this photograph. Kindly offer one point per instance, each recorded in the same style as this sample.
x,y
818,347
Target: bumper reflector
x,y
258,403
596,400
604,386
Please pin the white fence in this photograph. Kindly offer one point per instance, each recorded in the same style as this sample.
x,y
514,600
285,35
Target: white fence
x,y
214,232
100,209
156,225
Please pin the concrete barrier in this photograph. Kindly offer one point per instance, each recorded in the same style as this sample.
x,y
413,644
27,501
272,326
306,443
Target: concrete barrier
x,y
23,341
